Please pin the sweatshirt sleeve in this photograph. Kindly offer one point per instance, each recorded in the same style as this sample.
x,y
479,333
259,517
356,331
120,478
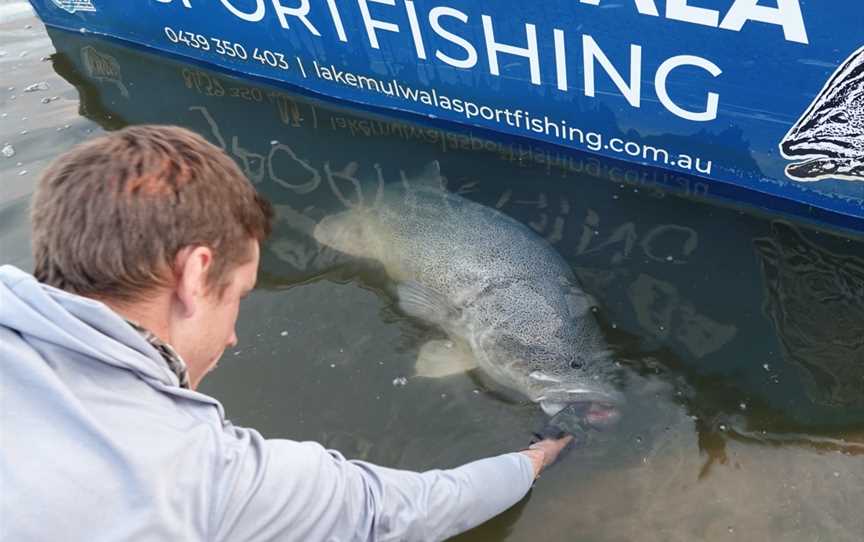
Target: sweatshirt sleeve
x,y
286,490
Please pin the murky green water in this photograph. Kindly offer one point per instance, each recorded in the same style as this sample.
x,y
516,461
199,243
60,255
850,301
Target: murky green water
x,y
740,337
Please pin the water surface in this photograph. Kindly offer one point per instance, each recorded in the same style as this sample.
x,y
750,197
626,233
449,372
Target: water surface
x,y
739,334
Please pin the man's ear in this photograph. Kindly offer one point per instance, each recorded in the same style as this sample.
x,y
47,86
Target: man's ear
x,y
190,270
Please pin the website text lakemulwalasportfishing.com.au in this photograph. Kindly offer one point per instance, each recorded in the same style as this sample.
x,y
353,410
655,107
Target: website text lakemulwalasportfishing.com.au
x,y
424,26
516,118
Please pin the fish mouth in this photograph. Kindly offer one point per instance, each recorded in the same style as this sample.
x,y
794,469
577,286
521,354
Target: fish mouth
x,y
819,159
554,400
580,420
577,411
826,168
804,146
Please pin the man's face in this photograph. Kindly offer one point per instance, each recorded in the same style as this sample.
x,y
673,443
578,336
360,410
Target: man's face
x,y
218,316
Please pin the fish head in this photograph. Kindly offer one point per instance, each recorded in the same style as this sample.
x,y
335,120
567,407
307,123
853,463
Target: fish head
x,y
572,380
354,232
831,131
583,398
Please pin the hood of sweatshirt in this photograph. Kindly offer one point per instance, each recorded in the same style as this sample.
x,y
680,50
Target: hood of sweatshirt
x,y
36,311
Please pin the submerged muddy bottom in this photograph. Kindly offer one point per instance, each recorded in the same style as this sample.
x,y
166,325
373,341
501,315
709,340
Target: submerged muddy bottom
x,y
738,335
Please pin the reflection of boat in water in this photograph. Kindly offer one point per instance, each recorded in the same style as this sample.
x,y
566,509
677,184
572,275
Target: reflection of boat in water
x,y
680,90
816,300
634,247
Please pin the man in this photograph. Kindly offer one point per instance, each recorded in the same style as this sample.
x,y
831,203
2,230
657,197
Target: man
x,y
145,242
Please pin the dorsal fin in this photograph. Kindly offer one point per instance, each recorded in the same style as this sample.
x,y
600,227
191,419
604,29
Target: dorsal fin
x,y
429,177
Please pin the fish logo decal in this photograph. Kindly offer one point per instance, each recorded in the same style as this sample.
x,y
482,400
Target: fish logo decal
x,y
830,135
73,6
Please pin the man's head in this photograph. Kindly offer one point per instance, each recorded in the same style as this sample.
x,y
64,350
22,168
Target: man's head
x,y
158,223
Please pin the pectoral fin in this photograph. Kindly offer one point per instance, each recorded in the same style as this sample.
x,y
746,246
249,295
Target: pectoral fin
x,y
430,177
424,303
578,302
439,359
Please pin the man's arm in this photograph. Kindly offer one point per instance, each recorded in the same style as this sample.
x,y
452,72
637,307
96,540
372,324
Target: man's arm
x,y
288,490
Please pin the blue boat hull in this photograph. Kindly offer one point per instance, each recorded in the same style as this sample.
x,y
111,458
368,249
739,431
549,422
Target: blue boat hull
x,y
764,101
713,288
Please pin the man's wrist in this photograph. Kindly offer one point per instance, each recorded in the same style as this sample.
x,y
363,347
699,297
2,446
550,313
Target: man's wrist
x,y
537,457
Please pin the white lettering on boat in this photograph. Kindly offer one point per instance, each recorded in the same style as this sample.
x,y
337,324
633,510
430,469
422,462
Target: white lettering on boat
x,y
450,36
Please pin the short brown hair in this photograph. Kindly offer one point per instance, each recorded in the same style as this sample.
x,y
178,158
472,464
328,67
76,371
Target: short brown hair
x,y
110,216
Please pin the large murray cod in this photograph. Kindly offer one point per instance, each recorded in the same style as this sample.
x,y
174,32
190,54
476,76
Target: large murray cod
x,y
507,301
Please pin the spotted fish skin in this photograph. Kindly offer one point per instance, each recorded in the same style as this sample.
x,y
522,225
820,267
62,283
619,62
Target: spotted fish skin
x,y
830,134
492,285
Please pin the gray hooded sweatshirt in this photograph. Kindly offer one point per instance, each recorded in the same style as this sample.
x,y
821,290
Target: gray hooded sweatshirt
x,y
98,442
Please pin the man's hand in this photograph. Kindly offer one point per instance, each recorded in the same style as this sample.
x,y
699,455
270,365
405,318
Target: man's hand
x,y
545,452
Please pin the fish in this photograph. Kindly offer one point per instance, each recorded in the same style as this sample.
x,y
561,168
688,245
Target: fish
x,y
830,134
507,301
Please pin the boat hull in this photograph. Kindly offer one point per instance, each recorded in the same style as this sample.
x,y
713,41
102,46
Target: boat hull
x,y
764,103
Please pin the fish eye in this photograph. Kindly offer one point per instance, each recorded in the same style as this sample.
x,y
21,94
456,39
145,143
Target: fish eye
x,y
840,116
576,364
